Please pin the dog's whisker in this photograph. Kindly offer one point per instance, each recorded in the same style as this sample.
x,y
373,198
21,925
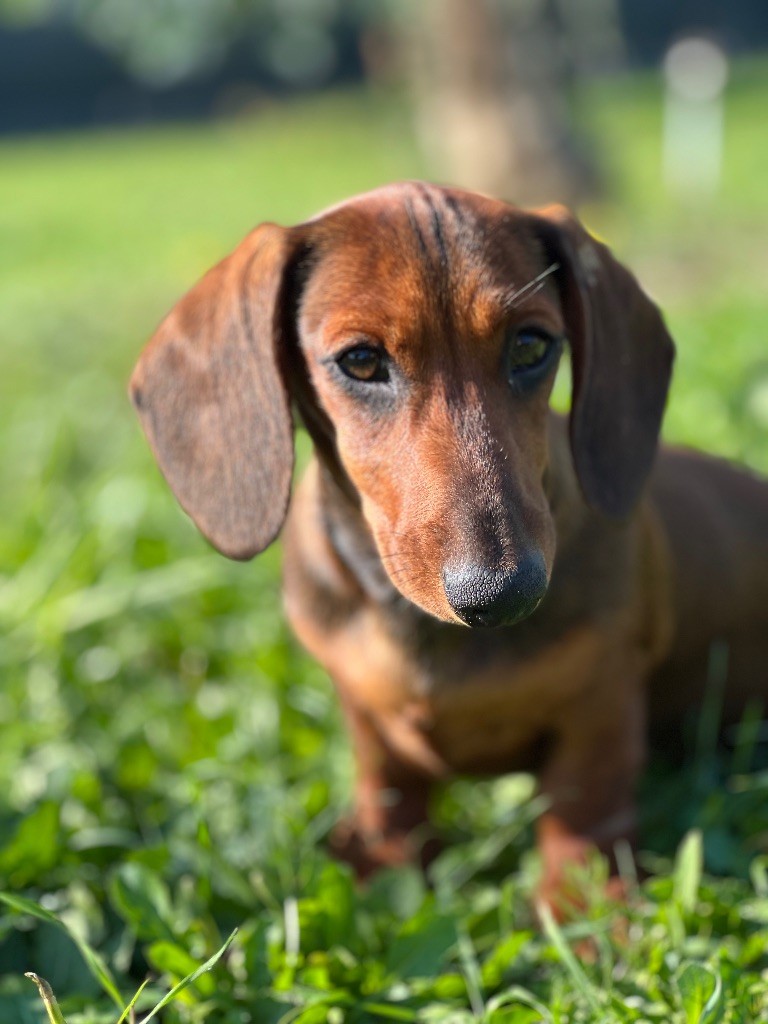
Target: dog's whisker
x,y
399,570
406,572
404,559
531,288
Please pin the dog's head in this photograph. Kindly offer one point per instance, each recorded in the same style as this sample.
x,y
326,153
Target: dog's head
x,y
419,330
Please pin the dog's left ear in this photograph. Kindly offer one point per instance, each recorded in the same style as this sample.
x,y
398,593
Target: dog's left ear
x,y
210,390
622,358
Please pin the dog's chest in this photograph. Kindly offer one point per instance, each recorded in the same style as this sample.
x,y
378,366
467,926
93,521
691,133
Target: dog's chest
x,y
469,703
499,715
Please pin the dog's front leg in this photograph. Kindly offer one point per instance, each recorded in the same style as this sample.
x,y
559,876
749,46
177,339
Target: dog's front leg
x,y
590,782
389,824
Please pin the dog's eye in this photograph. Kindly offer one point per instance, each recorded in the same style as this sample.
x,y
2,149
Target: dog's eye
x,y
529,353
365,363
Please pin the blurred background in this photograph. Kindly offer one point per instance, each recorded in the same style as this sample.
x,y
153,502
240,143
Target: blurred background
x,y
153,708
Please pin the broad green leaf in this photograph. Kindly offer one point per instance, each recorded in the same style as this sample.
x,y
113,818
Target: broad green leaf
x,y
398,891
142,899
502,956
171,958
421,945
34,848
701,994
337,898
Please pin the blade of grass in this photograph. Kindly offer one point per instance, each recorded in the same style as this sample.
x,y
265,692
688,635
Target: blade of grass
x,y
55,1016
133,1001
687,872
95,963
389,1012
517,994
190,978
471,972
711,715
758,873
101,601
747,737
567,956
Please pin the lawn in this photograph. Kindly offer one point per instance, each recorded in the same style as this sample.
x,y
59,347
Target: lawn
x,y
171,762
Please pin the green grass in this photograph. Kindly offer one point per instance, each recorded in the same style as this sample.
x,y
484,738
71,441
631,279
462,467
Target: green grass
x,y
170,760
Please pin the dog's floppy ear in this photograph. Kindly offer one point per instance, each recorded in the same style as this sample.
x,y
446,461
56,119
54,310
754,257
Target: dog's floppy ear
x,y
622,362
211,397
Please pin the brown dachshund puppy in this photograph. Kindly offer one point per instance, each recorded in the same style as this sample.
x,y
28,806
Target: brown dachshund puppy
x,y
417,330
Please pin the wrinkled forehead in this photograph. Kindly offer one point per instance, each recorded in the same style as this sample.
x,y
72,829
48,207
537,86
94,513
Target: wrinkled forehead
x,y
414,256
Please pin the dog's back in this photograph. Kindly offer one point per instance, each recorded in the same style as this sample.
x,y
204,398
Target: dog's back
x,y
715,520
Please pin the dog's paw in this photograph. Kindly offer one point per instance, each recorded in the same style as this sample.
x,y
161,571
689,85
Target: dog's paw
x,y
368,852
565,898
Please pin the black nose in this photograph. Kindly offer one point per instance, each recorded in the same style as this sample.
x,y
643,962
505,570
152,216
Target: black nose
x,y
496,597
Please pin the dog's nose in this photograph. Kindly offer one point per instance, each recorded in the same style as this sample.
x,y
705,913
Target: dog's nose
x,y
495,597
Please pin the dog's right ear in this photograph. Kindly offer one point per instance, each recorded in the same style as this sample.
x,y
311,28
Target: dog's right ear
x,y
210,391
622,362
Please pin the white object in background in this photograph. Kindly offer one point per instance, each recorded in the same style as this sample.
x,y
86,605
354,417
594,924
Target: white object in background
x,y
696,73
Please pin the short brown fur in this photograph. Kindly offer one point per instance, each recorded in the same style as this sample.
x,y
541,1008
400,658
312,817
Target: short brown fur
x,y
449,469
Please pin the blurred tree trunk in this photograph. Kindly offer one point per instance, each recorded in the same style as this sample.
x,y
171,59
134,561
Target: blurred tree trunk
x,y
490,80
